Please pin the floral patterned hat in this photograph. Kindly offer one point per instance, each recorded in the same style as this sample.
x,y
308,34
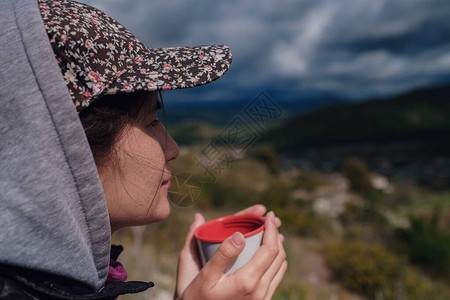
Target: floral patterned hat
x,y
98,56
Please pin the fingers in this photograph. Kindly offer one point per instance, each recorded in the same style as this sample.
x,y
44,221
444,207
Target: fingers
x,y
189,263
276,280
269,278
257,209
190,246
225,254
198,220
258,279
277,222
267,253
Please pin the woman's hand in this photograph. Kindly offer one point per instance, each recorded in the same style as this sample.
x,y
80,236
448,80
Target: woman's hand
x,y
256,280
189,264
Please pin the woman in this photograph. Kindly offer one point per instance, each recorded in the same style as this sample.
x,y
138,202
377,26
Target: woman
x,y
62,193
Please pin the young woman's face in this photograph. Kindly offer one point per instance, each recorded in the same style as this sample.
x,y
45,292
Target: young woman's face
x,y
136,186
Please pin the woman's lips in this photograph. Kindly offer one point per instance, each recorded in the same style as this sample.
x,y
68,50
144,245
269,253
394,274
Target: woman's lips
x,y
166,183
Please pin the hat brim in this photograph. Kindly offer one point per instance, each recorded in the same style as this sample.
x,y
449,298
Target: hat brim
x,y
174,68
98,56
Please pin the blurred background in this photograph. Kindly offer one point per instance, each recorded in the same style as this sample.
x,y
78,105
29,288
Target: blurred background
x,y
336,115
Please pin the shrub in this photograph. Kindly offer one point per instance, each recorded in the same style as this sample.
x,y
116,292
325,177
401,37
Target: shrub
x,y
358,174
370,269
404,193
268,156
365,268
302,223
223,195
427,244
290,292
277,196
353,213
415,286
309,180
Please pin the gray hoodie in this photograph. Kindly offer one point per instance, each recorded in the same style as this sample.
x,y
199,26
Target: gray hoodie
x,y
53,212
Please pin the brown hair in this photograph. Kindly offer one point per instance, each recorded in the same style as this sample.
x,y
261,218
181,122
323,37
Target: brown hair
x,y
105,120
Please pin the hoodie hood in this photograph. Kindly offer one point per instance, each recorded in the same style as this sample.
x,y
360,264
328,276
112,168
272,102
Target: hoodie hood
x,y
53,210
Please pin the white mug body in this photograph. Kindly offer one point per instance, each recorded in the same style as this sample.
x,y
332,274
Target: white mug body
x,y
252,244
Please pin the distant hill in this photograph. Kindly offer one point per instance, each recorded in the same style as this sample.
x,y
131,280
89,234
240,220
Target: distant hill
x,y
191,132
220,113
419,119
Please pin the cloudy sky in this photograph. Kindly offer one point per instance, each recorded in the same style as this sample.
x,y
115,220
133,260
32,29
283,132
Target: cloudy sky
x,y
301,49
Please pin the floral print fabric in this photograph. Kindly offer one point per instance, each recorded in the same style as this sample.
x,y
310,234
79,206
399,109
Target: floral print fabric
x,y
98,56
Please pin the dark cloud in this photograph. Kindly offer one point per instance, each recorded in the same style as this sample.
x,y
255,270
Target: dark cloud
x,y
417,27
351,48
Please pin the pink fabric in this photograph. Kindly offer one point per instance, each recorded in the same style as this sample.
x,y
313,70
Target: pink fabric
x,y
116,272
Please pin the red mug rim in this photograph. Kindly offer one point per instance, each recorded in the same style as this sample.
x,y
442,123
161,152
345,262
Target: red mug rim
x,y
238,219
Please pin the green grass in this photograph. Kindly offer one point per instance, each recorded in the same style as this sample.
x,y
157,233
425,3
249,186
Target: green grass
x,y
429,201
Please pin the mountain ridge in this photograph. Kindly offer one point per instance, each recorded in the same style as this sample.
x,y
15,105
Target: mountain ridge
x,y
421,115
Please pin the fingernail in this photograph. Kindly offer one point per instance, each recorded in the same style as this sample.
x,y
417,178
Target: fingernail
x,y
262,207
237,239
272,216
196,216
278,221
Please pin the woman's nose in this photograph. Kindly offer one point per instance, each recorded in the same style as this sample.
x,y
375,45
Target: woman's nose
x,y
168,145
171,151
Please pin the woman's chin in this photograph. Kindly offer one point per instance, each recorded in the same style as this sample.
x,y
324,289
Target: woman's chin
x,y
161,212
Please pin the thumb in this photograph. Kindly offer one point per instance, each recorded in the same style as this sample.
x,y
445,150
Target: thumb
x,y
225,254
